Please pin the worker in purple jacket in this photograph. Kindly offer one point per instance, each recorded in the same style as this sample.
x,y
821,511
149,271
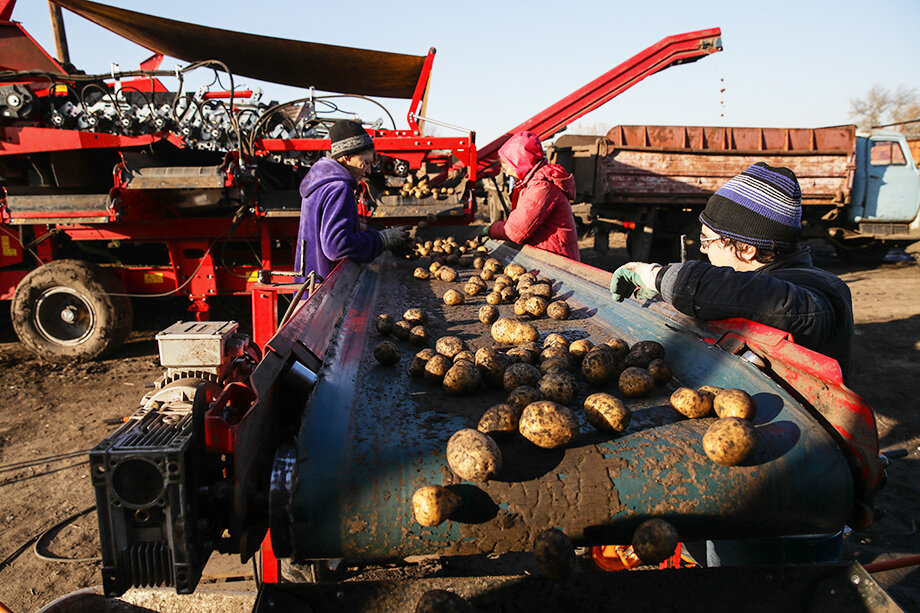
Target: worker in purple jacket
x,y
330,229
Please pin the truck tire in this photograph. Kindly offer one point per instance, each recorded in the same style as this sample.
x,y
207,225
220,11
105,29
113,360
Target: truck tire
x,y
68,310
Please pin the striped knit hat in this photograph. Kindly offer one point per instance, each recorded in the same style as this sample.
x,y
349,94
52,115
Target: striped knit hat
x,y
762,207
348,138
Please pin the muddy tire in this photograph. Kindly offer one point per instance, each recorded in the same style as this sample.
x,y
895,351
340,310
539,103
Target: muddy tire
x,y
65,311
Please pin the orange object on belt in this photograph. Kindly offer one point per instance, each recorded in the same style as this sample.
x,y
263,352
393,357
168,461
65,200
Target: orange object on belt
x,y
622,557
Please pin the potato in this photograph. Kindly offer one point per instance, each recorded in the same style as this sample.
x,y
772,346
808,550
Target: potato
x,y
520,307
734,403
433,504
385,324
486,274
426,354
478,262
554,553
618,345
555,364
578,349
441,601
508,294
492,365
387,353
437,367
448,274
433,267
555,338
643,352
636,382
547,424
421,273
711,389
559,310
462,378
542,290
690,403
522,354
607,413
450,346
453,298
535,306
527,277
416,317
729,441
417,366
493,265
504,280
500,421
418,335
521,397
660,371
488,313
517,375
499,285
494,298
473,456
467,355
511,332
601,365
401,330
554,351
556,387
478,281
472,289
514,270
654,541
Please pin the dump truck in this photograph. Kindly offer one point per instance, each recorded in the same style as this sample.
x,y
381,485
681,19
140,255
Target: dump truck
x,y
860,189
305,452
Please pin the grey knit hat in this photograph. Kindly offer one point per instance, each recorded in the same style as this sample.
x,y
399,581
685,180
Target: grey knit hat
x,y
348,138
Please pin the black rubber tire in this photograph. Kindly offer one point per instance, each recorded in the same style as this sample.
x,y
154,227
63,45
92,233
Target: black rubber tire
x,y
65,311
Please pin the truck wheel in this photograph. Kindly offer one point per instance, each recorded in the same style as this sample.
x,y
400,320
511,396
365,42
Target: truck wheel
x,y
861,251
65,311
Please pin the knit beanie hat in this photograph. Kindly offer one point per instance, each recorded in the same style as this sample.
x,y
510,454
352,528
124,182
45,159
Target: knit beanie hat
x,y
349,137
761,207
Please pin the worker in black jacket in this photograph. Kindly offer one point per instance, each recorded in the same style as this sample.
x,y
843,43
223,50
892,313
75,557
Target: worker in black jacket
x,y
750,231
756,270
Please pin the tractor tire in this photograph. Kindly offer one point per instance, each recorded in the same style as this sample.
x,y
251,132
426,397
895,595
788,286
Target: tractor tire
x,y
70,311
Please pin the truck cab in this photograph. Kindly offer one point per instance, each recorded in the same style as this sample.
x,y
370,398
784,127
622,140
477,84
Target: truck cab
x,y
886,185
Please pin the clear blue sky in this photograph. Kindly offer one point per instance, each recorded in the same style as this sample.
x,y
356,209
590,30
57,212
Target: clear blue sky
x,y
785,64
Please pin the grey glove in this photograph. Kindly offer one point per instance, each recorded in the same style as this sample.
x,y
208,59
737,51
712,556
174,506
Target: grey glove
x,y
632,276
394,236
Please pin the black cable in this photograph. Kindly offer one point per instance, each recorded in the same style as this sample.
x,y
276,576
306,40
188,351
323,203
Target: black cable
x,y
49,557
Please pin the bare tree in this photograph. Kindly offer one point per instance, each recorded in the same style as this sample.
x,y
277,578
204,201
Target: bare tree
x,y
882,106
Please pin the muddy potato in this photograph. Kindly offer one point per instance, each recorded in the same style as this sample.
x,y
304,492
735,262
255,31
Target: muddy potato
x,y
416,317
462,378
654,541
514,271
527,278
453,298
690,403
472,289
433,504
433,267
504,280
441,601
601,365
450,346
710,389
521,354
385,324
555,338
494,265
520,307
488,314
548,424
473,456
520,374
554,553
467,355
421,273
556,387
478,262
478,281
606,412
578,349
486,274
448,274
500,421
437,367
510,332
401,330
523,396
494,298
559,310
509,294
535,306
492,365
618,345
499,285
660,371
729,441
734,403
554,351
636,382
418,335
386,353
542,290
555,364
417,366
642,353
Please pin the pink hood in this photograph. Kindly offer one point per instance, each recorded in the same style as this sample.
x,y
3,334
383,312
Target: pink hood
x,y
522,152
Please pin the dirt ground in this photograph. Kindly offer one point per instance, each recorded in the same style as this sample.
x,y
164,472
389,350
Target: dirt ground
x,y
51,415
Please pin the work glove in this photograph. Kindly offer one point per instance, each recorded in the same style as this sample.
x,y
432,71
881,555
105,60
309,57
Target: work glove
x,y
485,230
394,236
632,276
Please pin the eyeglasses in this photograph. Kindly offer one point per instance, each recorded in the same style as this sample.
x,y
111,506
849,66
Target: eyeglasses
x,y
705,240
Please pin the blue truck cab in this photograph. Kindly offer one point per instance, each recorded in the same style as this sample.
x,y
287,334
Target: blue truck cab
x,y
886,185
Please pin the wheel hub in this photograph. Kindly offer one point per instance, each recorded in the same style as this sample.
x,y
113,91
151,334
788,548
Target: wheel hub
x,y
64,316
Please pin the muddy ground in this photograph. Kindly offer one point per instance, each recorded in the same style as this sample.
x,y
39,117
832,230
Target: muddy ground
x,y
50,415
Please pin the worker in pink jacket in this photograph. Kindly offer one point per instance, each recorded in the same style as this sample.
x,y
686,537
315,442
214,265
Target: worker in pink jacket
x,y
541,211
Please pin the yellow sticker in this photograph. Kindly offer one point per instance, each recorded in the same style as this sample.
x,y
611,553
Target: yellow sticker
x,y
7,250
253,276
153,278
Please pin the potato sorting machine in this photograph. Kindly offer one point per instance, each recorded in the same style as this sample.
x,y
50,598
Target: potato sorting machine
x,y
308,457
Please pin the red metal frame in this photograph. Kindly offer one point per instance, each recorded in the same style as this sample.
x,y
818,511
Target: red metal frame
x,y
667,52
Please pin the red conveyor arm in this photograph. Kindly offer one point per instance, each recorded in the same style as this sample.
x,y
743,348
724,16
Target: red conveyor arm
x,y
678,49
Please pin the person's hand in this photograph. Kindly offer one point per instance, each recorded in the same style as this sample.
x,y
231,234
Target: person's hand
x,y
632,276
394,236
485,230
